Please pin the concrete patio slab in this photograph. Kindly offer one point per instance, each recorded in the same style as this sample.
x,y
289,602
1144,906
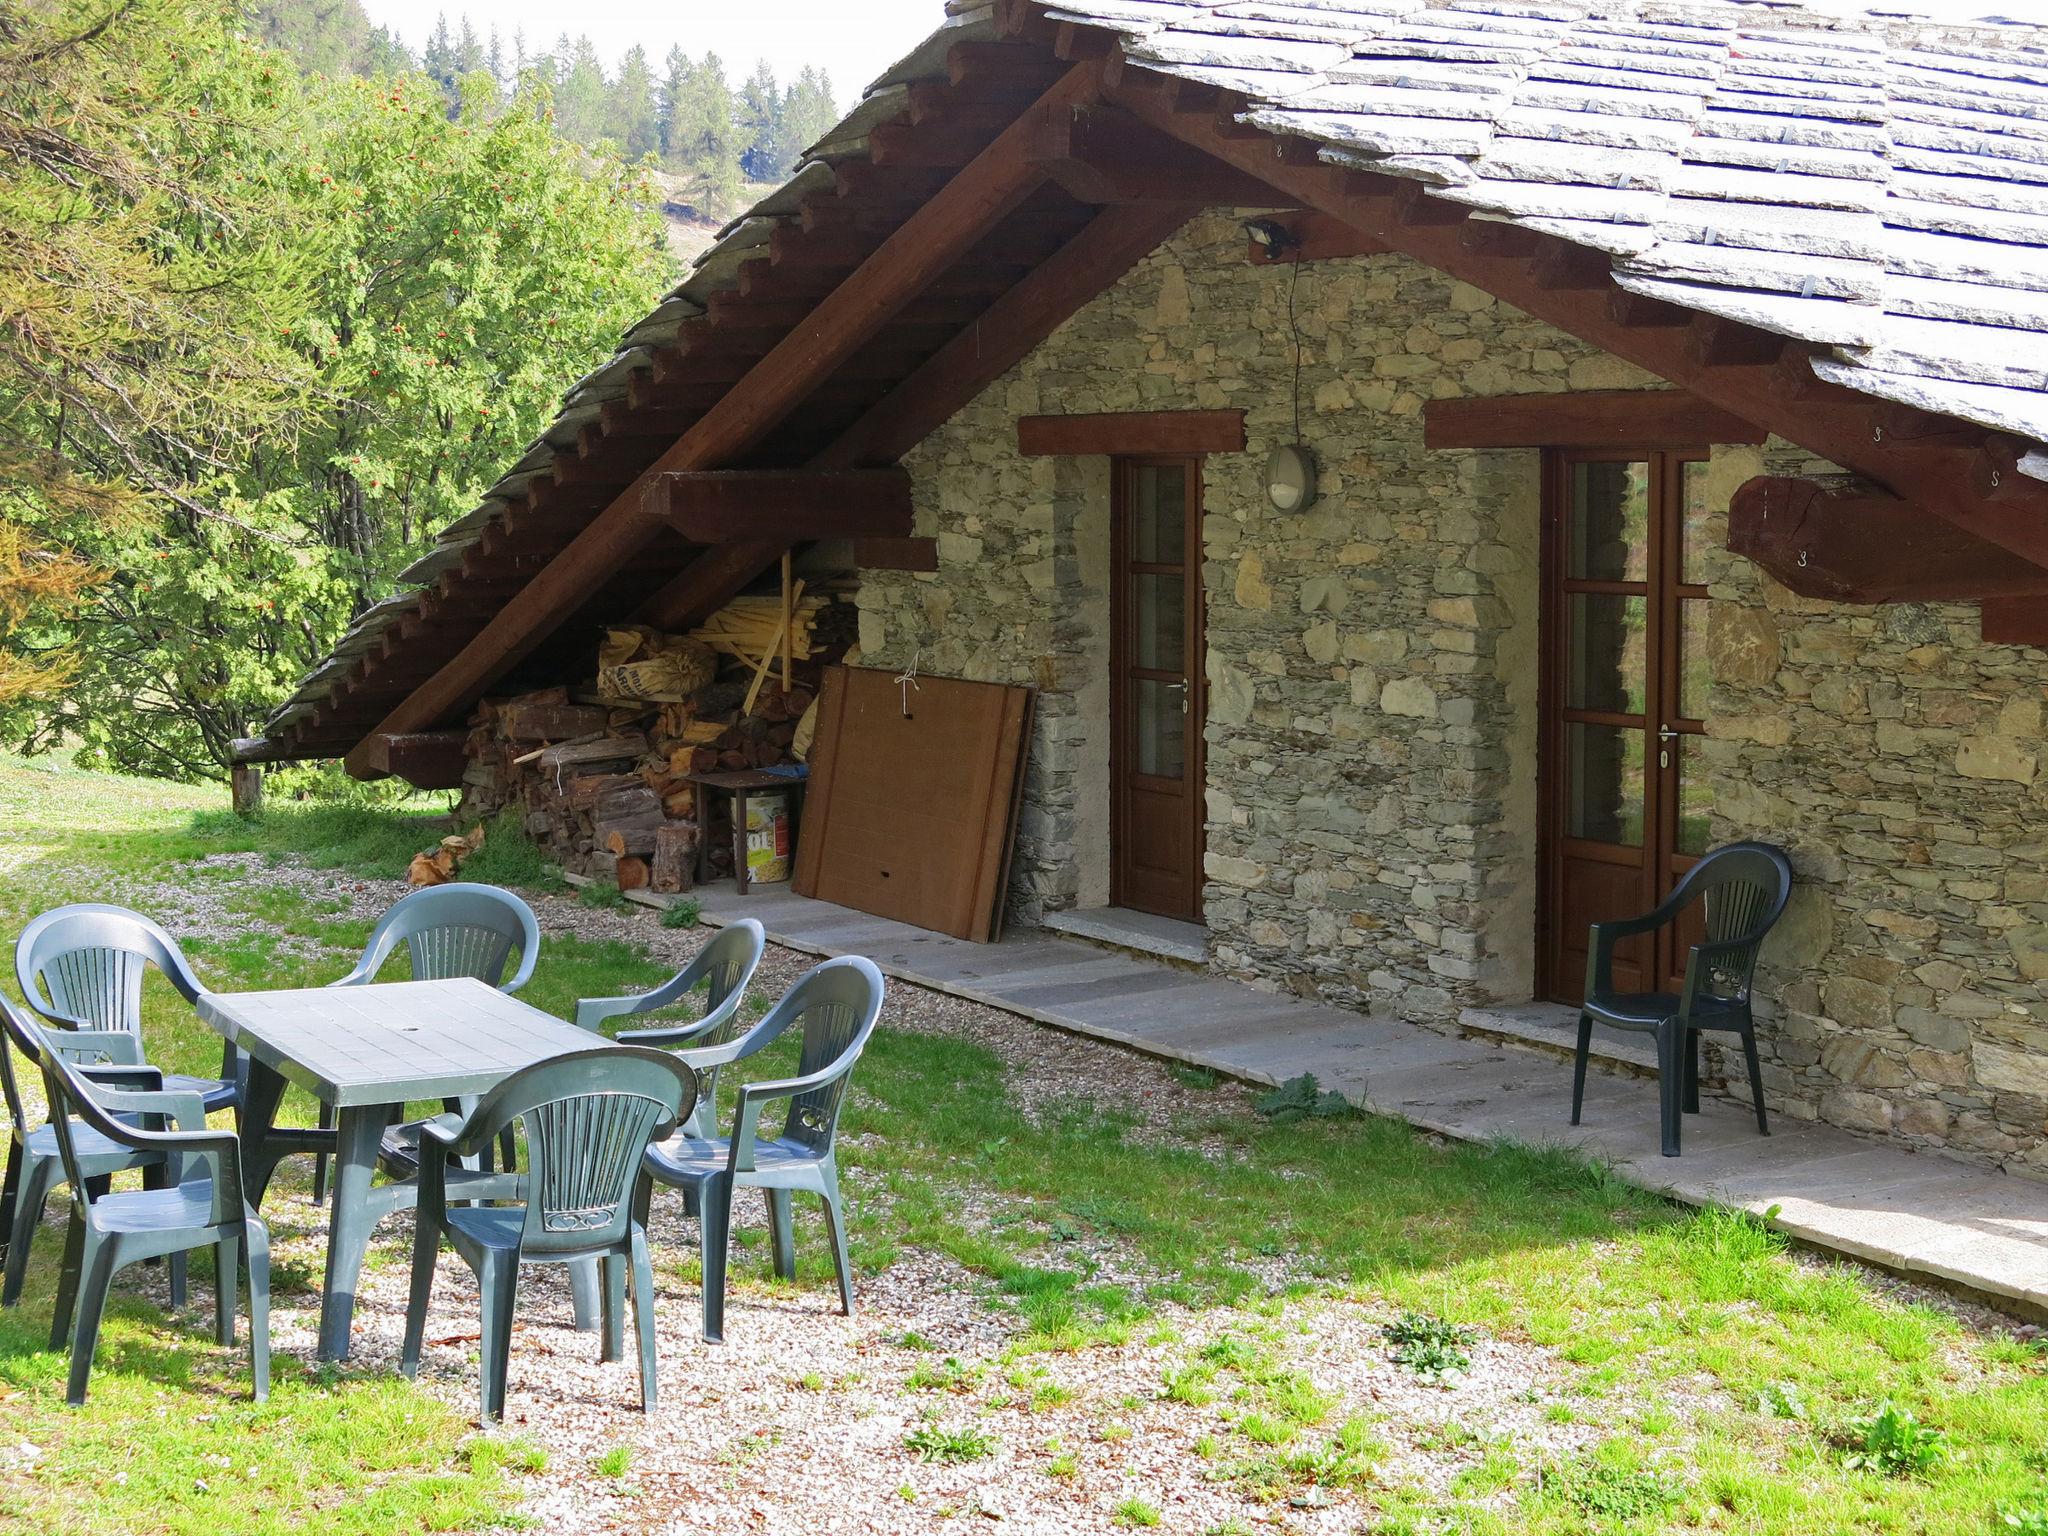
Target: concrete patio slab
x,y
1919,1214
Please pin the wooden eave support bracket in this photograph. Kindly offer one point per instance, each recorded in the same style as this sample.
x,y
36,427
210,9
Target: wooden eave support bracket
x,y
424,759
1312,236
781,506
1837,537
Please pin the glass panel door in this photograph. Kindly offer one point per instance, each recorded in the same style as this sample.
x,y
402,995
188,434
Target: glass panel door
x,y
1155,687
1624,700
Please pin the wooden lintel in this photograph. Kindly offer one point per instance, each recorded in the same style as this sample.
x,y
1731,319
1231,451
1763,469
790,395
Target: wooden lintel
x,y
1838,538
896,554
256,749
783,506
1132,432
1311,236
1600,418
424,759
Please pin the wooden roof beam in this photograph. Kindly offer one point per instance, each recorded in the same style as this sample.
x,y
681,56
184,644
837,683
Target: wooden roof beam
x,y
1596,418
784,506
963,211
1102,156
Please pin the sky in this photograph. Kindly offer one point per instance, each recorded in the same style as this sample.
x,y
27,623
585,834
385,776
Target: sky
x,y
852,40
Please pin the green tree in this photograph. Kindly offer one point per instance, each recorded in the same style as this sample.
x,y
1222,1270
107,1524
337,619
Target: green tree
x,y
760,125
454,275
633,126
580,92
808,114
704,140
144,297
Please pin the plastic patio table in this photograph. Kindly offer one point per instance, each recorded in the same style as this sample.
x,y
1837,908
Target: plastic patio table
x,y
365,1051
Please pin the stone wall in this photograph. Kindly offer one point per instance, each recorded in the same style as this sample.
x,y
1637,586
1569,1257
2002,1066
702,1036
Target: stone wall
x,y
1371,693
1899,758
1369,833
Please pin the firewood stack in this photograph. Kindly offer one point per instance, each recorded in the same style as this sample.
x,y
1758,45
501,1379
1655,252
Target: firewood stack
x,y
601,784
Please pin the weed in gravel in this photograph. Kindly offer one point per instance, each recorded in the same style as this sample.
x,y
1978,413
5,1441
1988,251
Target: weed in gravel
x,y
1617,1493
933,1441
1430,1347
603,894
1135,1511
1049,1394
811,1381
947,1375
1893,1442
1113,1431
1302,1098
614,1462
1298,1400
1199,1078
683,912
1191,1384
2029,1519
1264,1429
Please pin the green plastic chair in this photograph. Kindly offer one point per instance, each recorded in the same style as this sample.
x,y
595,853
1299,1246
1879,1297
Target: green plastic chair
x,y
589,1116
34,1165
201,1205
450,931
81,968
727,963
1745,887
838,1003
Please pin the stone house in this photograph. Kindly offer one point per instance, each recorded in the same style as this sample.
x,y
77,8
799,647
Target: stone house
x,y
1672,383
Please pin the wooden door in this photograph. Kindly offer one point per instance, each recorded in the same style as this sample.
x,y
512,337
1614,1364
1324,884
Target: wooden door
x,y
1156,650
1625,802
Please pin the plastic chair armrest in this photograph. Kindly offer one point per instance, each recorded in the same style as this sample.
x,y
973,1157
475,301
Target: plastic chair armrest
x,y
183,1108
755,1097
143,1079
362,975
122,1047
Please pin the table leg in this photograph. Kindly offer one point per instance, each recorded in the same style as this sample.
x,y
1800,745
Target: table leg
x,y
260,1098
739,840
358,1130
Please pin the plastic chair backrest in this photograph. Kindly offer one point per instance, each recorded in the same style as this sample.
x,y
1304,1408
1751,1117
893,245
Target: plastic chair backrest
x,y
457,930
1745,887
84,964
589,1117
16,1034
839,1003
727,962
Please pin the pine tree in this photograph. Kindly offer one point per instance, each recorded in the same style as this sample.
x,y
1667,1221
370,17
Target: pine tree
x,y
580,105
469,51
438,62
760,123
494,61
808,114
705,140
328,37
632,124
671,102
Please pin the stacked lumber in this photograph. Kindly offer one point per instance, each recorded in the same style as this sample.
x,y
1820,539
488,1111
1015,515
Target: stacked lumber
x,y
602,783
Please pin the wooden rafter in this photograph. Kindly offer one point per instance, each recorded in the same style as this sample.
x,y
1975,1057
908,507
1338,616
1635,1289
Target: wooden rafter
x,y
965,209
787,506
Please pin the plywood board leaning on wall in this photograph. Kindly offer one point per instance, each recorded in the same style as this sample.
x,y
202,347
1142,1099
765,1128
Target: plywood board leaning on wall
x,y
911,810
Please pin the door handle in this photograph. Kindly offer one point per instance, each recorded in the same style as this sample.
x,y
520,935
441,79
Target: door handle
x,y
1182,689
1665,733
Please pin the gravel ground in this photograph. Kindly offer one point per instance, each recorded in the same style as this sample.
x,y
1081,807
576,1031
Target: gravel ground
x,y
798,1423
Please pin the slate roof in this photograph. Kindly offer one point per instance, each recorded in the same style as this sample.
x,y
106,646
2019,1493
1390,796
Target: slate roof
x,y
1876,186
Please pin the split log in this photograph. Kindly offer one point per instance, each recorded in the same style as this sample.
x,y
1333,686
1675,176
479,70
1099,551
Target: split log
x,y
631,874
675,856
606,749
550,722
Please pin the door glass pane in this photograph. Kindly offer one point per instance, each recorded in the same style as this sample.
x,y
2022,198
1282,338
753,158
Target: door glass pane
x,y
1694,676
1607,667
1159,514
1604,783
1695,797
1610,522
1159,623
1695,537
1160,728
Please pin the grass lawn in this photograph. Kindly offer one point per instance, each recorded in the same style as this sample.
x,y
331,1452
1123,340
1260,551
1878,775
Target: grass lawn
x,y
1710,1380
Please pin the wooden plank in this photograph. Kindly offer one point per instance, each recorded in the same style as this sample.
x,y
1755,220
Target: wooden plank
x,y
787,506
908,815
1114,241
1836,537
1596,418
960,214
1132,432
2014,621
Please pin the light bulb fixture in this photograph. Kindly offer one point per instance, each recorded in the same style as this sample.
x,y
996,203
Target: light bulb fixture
x,y
1290,477
1271,236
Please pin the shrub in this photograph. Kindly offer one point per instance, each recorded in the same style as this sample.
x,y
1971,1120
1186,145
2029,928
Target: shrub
x,y
932,1441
